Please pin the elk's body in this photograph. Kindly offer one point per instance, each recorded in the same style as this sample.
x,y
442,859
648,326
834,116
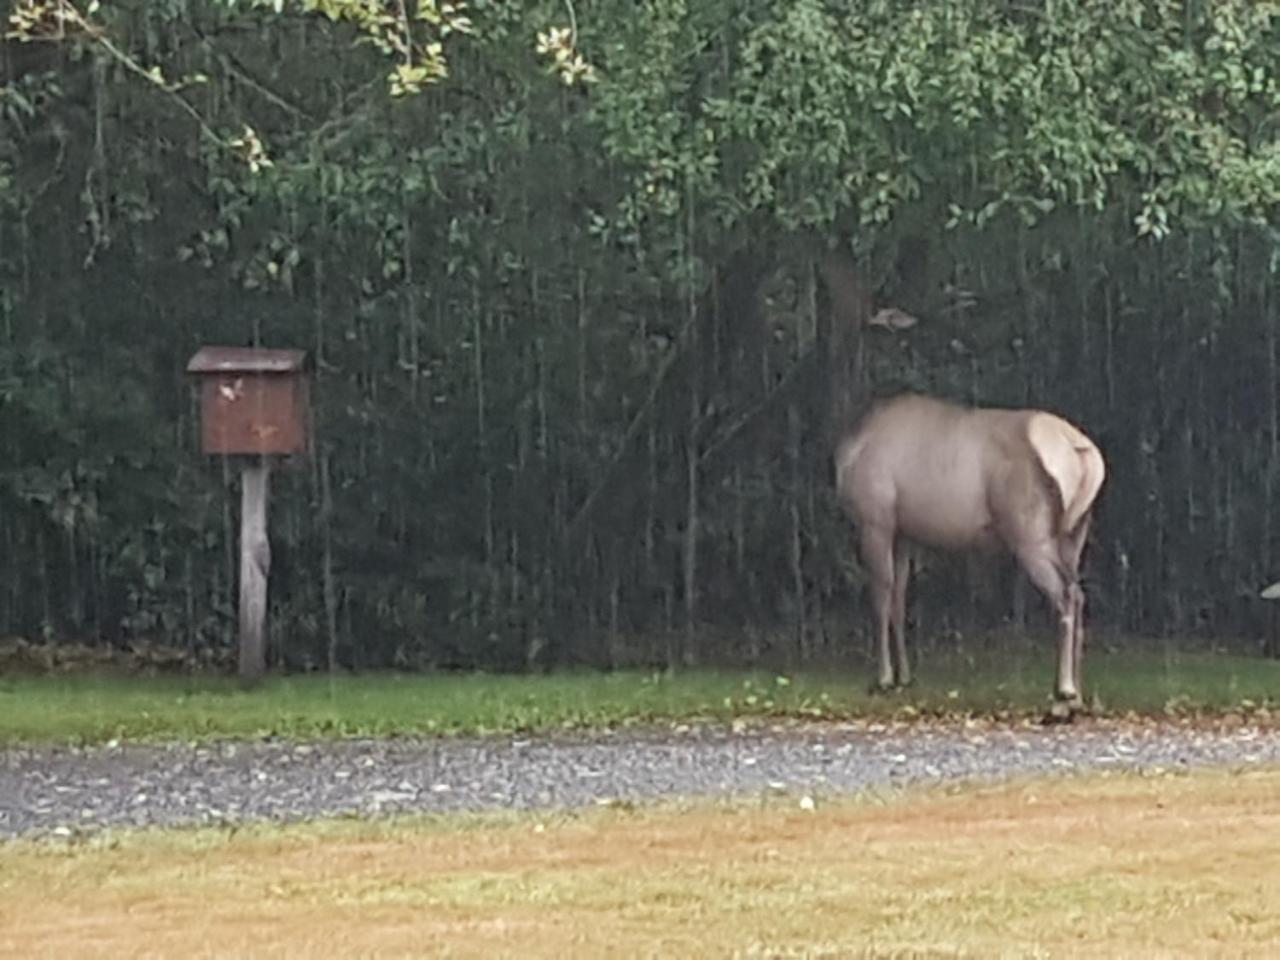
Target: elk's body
x,y
921,470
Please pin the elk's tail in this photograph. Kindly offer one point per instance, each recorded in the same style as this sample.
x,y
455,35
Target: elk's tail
x,y
1072,462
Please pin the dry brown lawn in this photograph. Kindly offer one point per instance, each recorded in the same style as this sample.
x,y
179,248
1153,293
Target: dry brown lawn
x,y
1120,866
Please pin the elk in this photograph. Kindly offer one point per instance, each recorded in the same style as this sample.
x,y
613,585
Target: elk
x,y
923,471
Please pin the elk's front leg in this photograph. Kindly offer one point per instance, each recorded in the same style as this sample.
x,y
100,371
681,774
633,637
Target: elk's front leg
x,y
901,576
877,556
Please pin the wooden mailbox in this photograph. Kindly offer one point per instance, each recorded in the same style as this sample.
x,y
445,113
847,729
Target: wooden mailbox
x,y
254,403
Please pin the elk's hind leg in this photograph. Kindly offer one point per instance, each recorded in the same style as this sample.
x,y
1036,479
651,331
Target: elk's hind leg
x,y
901,576
1072,549
1043,565
1077,634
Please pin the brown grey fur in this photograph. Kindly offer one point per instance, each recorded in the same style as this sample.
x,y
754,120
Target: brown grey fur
x,y
920,470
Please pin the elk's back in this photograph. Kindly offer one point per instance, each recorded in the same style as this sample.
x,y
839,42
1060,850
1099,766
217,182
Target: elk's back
x,y
949,476
922,467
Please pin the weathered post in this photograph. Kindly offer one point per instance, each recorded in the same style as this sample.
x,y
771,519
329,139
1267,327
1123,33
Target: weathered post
x,y
255,567
254,406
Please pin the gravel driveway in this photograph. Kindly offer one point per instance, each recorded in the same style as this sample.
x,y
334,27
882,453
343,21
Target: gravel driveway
x,y
63,790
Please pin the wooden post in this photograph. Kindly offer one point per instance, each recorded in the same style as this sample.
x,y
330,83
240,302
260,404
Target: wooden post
x,y
255,565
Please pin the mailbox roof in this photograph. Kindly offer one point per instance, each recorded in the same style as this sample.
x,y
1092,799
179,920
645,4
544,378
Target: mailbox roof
x,y
246,360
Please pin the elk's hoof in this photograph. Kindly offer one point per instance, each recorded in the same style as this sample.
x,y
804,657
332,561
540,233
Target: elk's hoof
x,y
1064,710
880,688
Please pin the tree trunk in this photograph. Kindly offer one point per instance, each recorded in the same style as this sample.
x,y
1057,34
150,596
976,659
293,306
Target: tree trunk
x,y
797,531
328,586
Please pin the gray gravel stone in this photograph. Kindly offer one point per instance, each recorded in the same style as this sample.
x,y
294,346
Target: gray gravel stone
x,y
68,790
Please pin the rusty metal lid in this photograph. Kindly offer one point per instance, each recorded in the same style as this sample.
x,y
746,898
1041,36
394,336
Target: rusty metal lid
x,y
246,360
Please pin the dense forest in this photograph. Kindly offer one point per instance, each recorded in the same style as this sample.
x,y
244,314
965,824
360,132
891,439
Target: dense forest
x,y
589,289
